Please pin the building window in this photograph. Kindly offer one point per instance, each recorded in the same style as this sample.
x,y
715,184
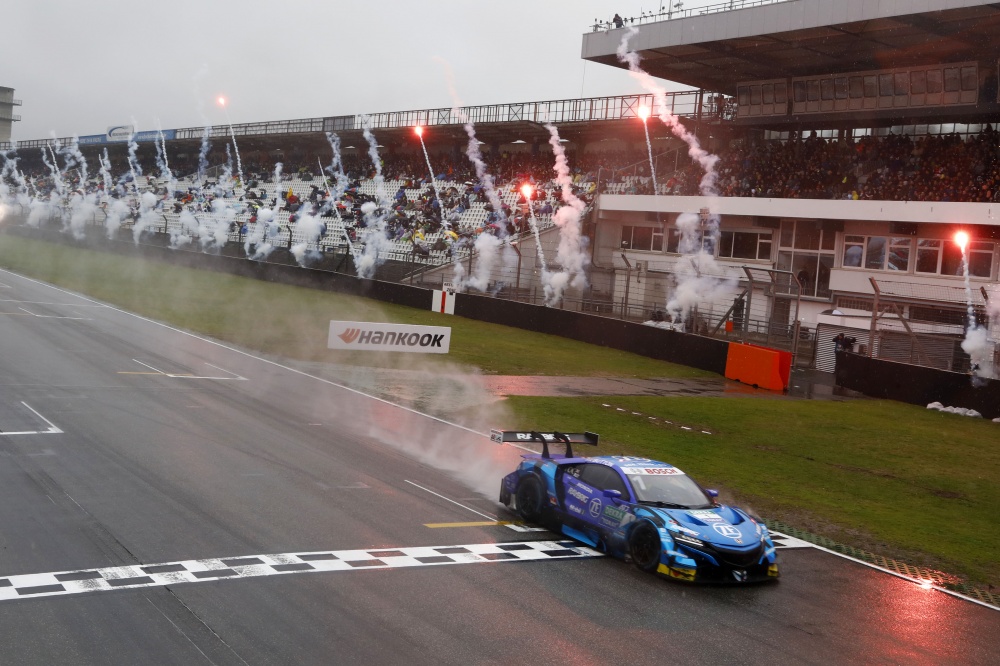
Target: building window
x,y
649,239
745,245
877,253
807,250
938,257
676,244
935,82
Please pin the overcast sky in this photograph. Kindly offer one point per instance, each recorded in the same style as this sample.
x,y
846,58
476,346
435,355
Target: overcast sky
x,y
80,67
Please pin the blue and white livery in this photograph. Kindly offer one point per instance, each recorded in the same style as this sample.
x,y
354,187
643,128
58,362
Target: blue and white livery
x,y
638,509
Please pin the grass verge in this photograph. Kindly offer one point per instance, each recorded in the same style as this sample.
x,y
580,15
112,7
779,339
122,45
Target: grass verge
x,y
294,322
885,477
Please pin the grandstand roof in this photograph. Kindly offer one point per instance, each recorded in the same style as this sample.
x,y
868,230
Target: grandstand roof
x,y
768,39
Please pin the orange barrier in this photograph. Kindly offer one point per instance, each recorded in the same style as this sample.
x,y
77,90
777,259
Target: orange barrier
x,y
758,366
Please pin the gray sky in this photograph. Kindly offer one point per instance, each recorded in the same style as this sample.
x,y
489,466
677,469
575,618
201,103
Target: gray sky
x,y
80,67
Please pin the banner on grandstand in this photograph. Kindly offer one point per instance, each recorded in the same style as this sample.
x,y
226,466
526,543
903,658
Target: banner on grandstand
x,y
369,336
121,133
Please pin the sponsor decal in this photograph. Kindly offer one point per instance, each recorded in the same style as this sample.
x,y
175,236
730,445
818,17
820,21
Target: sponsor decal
x,y
595,507
616,517
577,494
350,335
120,132
654,471
368,336
575,509
728,531
706,516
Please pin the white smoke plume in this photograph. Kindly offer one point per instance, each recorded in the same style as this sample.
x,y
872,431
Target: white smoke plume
x,y
147,216
706,159
376,245
308,226
490,249
698,275
260,241
571,254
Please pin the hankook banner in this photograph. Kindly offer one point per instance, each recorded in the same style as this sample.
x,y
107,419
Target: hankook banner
x,y
368,336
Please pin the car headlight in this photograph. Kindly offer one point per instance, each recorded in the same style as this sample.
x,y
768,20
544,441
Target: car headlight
x,y
680,537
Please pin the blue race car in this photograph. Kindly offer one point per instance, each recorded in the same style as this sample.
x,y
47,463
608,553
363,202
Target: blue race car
x,y
636,508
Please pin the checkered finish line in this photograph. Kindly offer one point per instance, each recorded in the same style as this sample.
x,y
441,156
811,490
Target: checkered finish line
x,y
199,571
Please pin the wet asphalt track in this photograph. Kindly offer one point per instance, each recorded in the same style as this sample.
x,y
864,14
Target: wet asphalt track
x,y
151,446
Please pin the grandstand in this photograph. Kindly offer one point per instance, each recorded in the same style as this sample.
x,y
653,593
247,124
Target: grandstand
x,y
854,138
881,110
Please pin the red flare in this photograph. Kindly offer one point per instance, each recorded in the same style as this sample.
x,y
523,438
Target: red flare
x,y
962,240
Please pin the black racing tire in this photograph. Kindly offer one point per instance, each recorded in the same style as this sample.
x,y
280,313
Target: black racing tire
x,y
644,547
530,498
504,494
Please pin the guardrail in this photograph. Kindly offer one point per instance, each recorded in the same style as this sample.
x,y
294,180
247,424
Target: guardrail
x,y
685,104
670,12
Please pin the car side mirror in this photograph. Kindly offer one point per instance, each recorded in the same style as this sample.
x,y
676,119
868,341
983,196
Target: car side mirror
x,y
613,494
711,493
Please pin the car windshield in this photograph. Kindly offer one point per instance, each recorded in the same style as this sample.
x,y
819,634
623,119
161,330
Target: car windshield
x,y
673,489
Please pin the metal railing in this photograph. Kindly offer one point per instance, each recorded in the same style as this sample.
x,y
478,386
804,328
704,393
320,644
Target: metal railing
x,y
685,104
669,11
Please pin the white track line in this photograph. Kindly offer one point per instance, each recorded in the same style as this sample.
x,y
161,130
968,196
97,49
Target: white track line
x,y
52,430
510,526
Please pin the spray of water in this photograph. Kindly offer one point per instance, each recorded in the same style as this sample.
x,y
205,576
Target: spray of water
x,y
571,254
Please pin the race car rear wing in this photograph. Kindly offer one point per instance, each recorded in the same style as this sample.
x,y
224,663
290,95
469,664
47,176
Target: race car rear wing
x,y
567,438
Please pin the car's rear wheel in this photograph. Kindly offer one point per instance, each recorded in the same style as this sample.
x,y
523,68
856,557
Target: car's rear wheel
x,y
530,498
644,547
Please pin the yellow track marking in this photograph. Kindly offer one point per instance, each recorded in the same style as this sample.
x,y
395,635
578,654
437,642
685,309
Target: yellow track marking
x,y
481,523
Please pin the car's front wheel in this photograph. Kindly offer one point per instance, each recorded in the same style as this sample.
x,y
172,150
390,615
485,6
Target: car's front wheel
x,y
644,547
530,498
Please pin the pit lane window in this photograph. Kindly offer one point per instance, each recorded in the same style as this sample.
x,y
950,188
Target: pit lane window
x,y
649,239
603,477
745,245
945,258
669,488
877,253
